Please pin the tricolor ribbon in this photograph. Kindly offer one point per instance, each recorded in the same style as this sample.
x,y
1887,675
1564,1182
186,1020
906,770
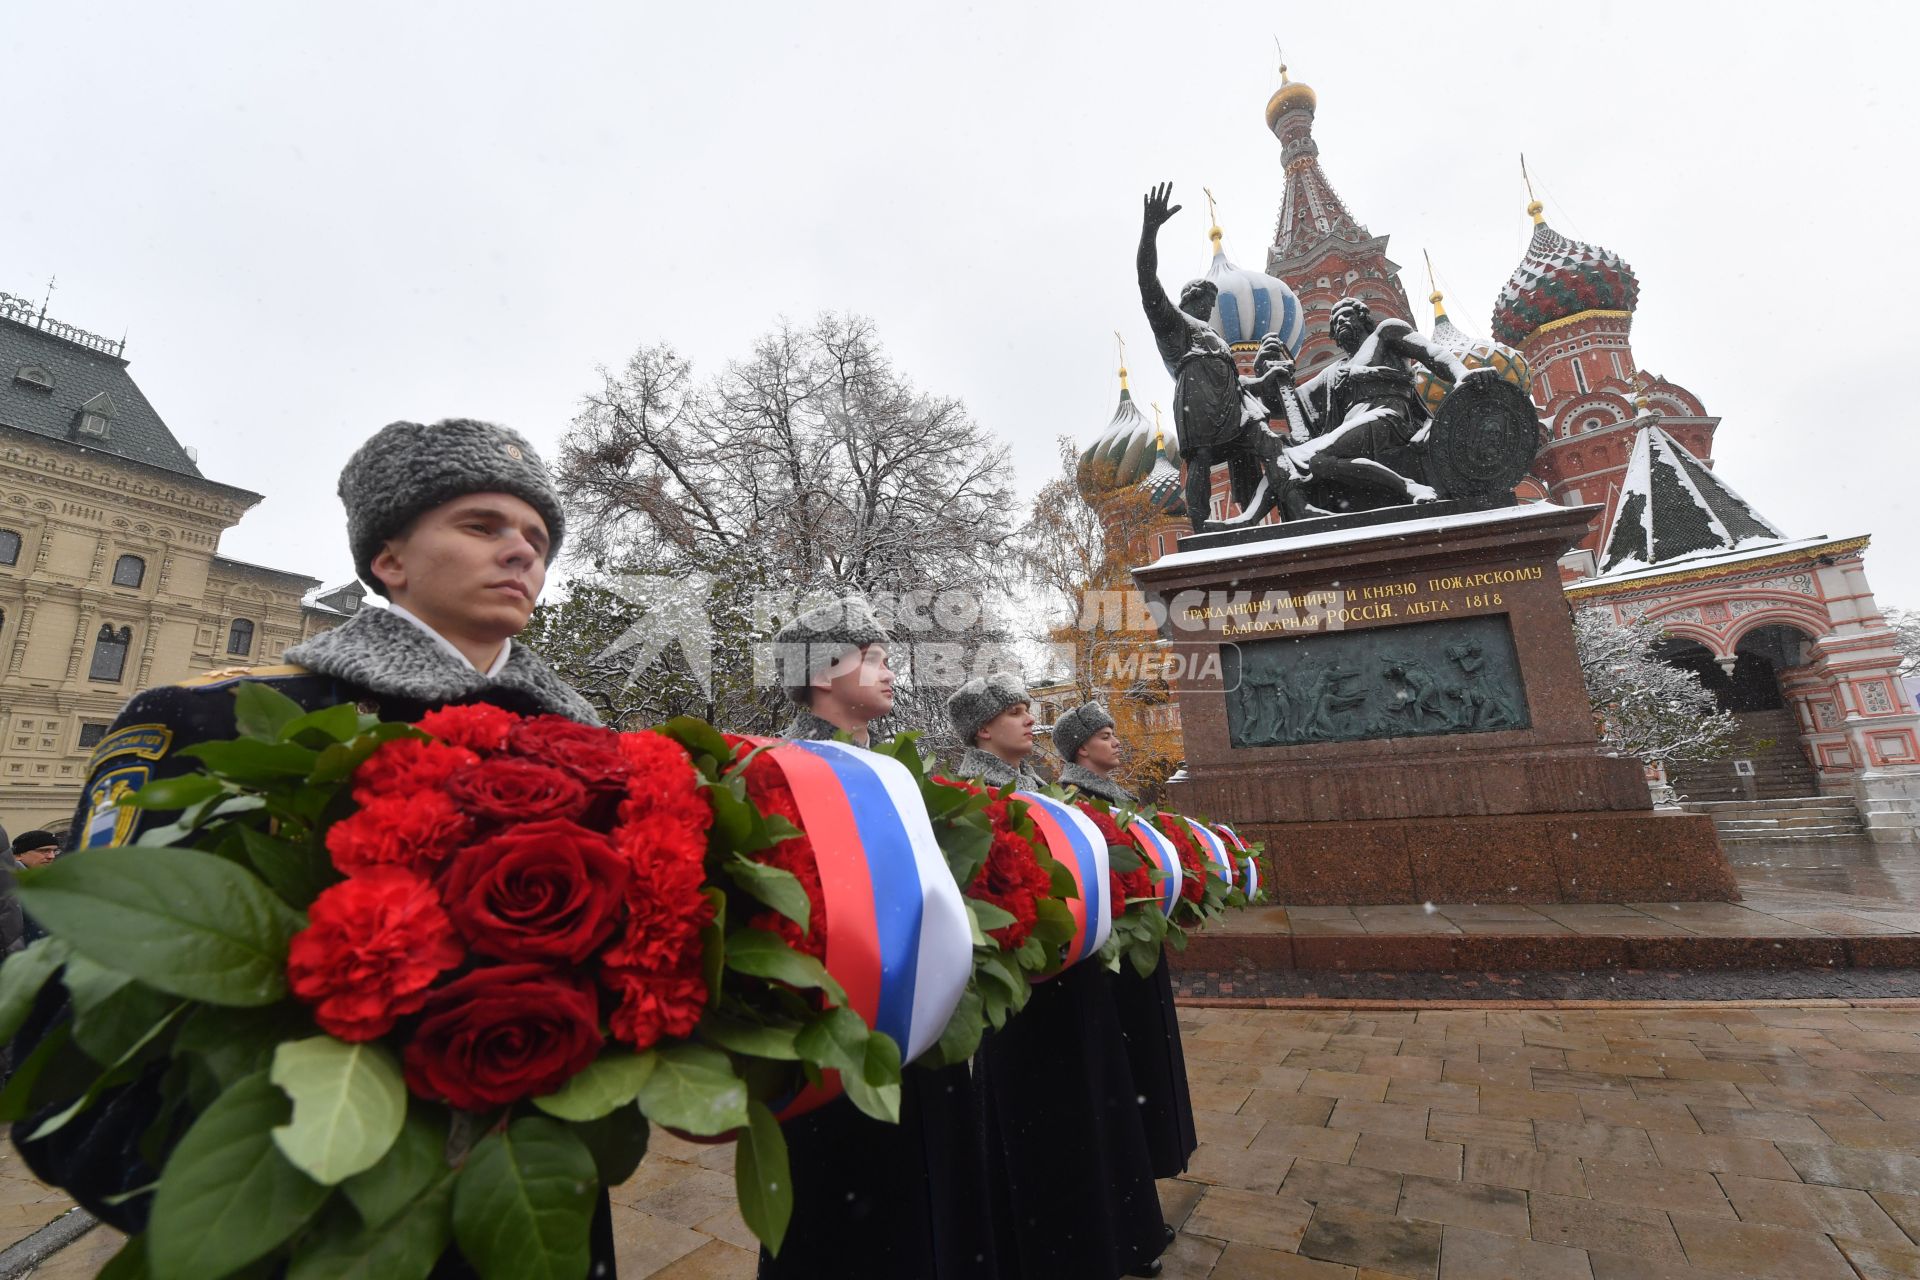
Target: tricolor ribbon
x,y
1160,853
1249,864
1077,844
1218,859
898,937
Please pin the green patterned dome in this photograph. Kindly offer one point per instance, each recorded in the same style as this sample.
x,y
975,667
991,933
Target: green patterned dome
x,y
1558,278
1124,453
1475,353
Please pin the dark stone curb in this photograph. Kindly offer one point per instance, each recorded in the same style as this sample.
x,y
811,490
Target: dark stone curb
x,y
1524,953
21,1257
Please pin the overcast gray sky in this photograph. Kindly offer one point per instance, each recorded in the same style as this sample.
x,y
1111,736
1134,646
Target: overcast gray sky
x,y
312,220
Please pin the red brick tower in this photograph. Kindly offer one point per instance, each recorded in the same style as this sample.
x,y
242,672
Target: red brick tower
x,y
1568,308
1319,248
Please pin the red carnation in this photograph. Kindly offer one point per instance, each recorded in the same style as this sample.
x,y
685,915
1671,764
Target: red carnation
x,y
372,945
410,830
586,751
1137,883
408,764
537,891
653,1006
1193,883
663,783
501,1034
509,790
478,726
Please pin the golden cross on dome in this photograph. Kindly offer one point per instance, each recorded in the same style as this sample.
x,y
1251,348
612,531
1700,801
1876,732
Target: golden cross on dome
x,y
1122,343
1214,233
1533,202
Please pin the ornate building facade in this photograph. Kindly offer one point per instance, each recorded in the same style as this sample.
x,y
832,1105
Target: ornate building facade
x,y
110,573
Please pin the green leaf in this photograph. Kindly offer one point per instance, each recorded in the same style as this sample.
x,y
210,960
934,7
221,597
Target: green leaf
x,y
989,916
111,1012
767,955
407,1247
618,1142
297,872
118,1072
348,1105
130,1263
523,1203
227,1195
188,923
52,1058
418,1157
338,723
235,1043
261,711
698,737
875,1088
743,1035
22,977
694,1089
607,1083
964,1030
248,761
177,793
713,945
775,886
836,1040
762,1182
337,762
1124,858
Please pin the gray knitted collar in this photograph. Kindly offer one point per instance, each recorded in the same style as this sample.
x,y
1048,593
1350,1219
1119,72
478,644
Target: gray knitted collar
x,y
387,655
995,772
1094,784
808,727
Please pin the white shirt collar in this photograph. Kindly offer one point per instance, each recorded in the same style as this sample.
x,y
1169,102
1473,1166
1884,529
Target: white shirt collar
x,y
499,663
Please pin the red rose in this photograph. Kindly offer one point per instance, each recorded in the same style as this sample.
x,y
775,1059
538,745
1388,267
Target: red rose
x,y
408,764
412,830
655,1006
501,1034
586,751
508,790
537,891
372,945
479,726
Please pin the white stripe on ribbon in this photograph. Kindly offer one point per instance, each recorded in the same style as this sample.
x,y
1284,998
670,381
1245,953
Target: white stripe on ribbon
x,y
1096,898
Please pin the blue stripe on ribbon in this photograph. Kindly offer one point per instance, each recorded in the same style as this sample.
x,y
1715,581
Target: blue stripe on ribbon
x,y
896,885
1092,892
1262,310
1289,322
1230,317
1168,863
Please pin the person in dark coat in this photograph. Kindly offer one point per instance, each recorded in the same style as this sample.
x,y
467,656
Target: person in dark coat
x,y
1073,1178
907,1200
455,523
1086,740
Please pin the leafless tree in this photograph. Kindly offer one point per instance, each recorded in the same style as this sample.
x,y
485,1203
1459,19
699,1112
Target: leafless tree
x,y
808,469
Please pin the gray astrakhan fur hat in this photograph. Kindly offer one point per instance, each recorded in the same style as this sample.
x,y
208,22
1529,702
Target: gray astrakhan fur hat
x,y
981,699
1073,728
820,637
410,467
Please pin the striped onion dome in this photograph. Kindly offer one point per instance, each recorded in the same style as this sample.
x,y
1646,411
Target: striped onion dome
x,y
1253,304
1124,453
1558,278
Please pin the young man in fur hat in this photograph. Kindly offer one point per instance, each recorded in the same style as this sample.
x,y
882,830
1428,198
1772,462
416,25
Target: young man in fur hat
x,y
455,524
1090,752
873,1199
992,716
839,653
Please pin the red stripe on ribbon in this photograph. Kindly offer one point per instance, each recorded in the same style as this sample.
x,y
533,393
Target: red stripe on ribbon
x,y
1056,837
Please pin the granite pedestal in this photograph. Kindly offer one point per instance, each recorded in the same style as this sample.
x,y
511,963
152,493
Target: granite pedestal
x,y
1397,711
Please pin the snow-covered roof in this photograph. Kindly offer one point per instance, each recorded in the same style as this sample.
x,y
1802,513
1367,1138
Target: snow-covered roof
x,y
1361,533
1673,509
343,598
1730,560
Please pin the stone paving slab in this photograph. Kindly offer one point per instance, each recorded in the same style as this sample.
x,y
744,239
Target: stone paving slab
x,y
1466,1141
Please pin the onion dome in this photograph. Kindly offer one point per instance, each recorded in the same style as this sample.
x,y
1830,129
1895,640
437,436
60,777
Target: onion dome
x,y
1253,304
1558,278
1123,454
1288,97
1165,486
1475,353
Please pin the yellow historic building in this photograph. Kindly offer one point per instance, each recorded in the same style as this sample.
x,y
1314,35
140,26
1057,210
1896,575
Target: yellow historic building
x,y
111,577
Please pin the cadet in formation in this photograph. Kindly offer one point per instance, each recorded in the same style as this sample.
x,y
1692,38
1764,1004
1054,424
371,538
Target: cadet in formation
x,y
455,524
1072,1175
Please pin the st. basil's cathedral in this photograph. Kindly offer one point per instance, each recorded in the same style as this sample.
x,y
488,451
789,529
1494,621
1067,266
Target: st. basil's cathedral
x,y
1783,630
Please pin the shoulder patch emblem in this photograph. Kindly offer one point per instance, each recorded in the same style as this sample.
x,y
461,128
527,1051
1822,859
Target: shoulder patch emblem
x,y
145,741
108,823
